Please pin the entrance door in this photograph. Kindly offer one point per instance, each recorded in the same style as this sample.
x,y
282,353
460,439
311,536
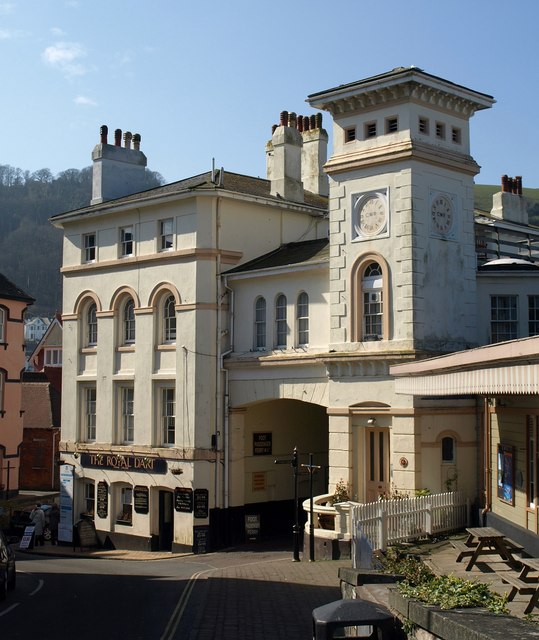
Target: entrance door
x,y
166,520
377,453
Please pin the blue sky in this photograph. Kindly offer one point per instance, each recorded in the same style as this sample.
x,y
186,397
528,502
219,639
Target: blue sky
x,y
208,79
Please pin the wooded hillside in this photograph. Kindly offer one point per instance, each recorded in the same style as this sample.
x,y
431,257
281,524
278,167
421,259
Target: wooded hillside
x,y
30,247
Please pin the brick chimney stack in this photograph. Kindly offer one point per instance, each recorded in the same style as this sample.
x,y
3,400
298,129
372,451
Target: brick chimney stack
x,y
117,171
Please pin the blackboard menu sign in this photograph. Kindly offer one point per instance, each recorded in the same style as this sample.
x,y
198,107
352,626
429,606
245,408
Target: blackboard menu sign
x,y
102,499
201,501
86,534
201,539
262,444
141,497
183,499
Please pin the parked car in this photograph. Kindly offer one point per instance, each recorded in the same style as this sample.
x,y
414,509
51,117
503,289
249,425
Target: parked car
x,y
7,565
21,519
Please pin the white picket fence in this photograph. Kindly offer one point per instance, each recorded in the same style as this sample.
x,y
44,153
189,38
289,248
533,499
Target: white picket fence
x,y
390,521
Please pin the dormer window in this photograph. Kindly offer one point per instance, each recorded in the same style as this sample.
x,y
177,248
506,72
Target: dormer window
x,y
392,125
370,129
350,134
440,130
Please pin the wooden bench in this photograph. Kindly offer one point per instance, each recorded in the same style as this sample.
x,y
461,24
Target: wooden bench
x,y
520,586
464,549
514,546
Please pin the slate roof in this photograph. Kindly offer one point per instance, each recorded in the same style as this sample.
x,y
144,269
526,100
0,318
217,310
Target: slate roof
x,y
10,291
231,182
292,253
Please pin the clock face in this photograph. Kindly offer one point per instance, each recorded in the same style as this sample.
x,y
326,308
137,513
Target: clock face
x,y
442,214
372,215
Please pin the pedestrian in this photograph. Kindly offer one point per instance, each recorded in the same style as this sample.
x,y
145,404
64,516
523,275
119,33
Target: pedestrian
x,y
54,520
37,518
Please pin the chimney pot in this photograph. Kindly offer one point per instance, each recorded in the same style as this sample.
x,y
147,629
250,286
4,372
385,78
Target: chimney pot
x,y
313,122
273,128
519,185
300,124
118,137
292,120
318,120
128,136
136,141
103,132
505,183
306,122
284,119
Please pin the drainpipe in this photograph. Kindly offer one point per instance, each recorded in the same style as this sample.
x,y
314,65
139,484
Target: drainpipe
x,y
226,487
487,458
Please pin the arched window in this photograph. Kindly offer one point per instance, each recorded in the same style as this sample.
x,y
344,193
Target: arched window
x,y
281,326
91,325
448,449
372,294
302,319
129,322
260,324
169,320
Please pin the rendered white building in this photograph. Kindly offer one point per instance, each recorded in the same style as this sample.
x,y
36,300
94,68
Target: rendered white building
x,y
213,325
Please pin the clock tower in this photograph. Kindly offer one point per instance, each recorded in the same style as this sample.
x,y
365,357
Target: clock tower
x,y
401,213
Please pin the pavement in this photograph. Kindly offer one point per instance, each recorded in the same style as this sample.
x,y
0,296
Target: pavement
x,y
257,592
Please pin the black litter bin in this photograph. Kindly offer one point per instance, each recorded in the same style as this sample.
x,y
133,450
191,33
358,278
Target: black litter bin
x,y
373,620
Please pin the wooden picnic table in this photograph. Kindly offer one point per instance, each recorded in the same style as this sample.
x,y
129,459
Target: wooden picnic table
x,y
487,541
524,583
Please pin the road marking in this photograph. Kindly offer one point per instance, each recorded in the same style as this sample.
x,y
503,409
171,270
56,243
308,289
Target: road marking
x,y
3,613
177,614
40,584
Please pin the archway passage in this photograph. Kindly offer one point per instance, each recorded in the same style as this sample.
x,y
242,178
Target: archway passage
x,y
267,432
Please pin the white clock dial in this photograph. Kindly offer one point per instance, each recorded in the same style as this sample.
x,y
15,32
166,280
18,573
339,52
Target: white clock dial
x,y
372,216
442,214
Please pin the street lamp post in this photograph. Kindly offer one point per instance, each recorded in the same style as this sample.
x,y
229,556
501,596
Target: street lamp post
x,y
293,461
311,468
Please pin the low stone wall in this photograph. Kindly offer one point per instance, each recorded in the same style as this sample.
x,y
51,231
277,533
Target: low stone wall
x,y
434,623
430,622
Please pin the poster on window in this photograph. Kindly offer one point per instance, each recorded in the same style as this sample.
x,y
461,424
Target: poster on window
x,y
506,474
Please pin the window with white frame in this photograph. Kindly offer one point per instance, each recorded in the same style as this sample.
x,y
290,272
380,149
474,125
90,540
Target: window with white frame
x,y
91,325
2,325
503,318
126,241
169,320
260,324
89,244
166,238
281,326
533,315
125,512
53,356
128,322
89,499
302,319
168,415
90,414
128,414
372,302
